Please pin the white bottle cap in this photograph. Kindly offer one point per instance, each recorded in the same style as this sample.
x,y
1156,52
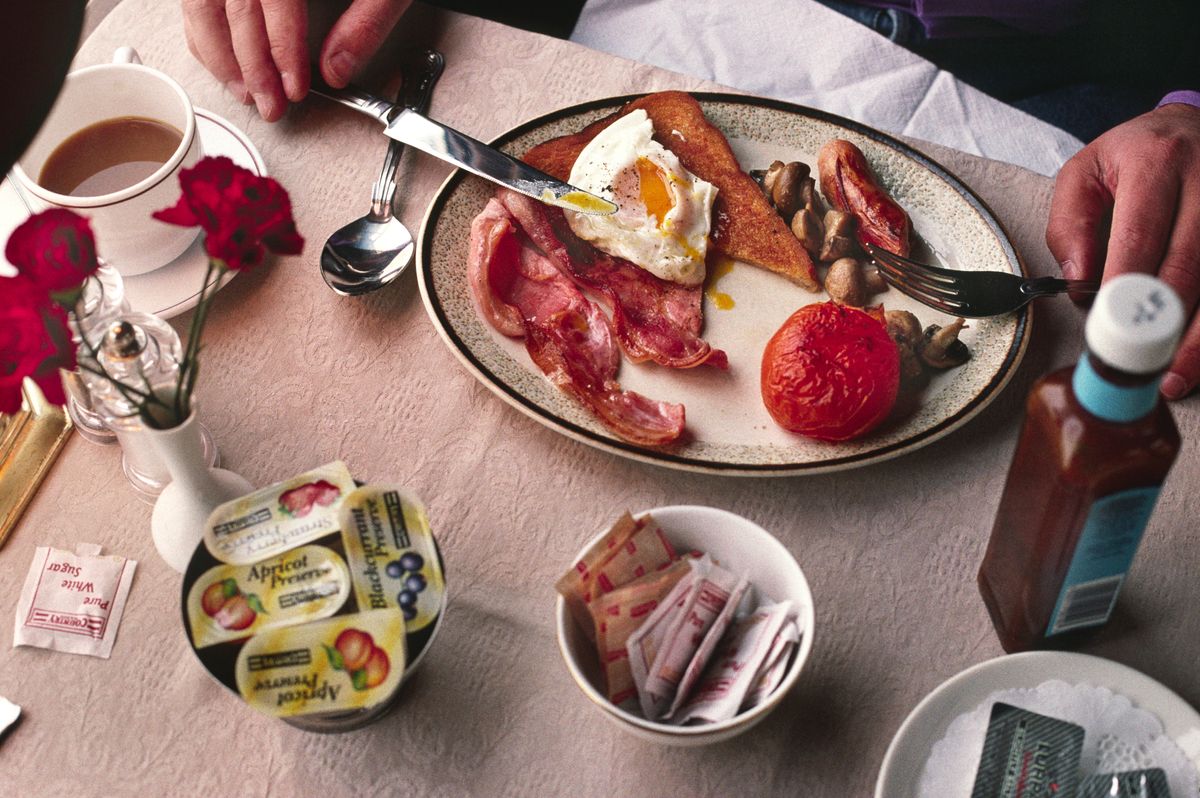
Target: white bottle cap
x,y
1135,324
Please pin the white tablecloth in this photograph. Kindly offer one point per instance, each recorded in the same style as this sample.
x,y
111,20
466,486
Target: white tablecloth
x,y
295,376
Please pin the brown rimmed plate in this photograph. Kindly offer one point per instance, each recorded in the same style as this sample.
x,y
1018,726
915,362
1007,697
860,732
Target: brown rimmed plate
x,y
728,429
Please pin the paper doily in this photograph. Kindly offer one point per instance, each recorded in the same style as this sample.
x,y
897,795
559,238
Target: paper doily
x,y
1117,736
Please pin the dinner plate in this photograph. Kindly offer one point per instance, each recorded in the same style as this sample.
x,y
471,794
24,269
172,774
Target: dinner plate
x,y
728,428
927,723
174,287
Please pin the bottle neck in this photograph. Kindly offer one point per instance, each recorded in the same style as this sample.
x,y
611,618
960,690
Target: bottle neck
x,y
1112,394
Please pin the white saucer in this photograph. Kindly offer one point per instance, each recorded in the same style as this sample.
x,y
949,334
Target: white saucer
x,y
927,723
174,287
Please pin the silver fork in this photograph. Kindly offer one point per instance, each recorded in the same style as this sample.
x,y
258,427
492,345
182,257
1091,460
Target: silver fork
x,y
969,294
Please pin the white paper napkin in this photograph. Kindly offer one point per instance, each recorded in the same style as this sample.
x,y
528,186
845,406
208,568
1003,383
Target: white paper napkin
x,y
806,53
9,712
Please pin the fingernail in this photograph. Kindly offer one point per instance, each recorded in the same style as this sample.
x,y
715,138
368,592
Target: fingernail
x,y
265,105
238,89
1069,270
291,86
342,66
1173,386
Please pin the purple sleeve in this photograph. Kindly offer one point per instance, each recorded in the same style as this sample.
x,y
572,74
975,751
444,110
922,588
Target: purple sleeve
x,y
1186,97
945,19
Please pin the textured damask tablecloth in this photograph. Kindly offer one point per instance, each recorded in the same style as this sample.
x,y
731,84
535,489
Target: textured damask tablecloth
x,y
295,376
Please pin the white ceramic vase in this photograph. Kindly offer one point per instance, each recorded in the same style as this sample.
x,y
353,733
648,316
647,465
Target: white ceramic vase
x,y
195,490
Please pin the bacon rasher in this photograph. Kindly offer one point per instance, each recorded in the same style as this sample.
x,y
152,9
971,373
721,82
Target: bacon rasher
x,y
568,337
654,319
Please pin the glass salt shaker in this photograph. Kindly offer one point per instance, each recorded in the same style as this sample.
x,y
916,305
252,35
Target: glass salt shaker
x,y
144,352
99,305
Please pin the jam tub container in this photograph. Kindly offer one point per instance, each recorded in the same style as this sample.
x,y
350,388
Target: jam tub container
x,y
315,599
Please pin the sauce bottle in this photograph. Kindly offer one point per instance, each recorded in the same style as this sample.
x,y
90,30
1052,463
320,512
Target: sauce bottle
x,y
1097,444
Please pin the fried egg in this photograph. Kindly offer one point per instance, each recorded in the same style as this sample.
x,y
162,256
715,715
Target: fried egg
x,y
665,210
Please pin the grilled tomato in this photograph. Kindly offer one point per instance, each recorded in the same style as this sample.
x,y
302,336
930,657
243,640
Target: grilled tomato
x,y
831,372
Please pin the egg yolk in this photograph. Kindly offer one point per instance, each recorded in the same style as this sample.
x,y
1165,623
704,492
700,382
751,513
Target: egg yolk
x,y
654,190
582,200
716,271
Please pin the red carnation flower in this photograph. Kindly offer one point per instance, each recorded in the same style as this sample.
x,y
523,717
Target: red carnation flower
x,y
242,214
54,249
34,342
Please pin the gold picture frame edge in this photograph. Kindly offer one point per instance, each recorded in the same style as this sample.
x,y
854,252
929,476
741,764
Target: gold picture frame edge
x,y
29,445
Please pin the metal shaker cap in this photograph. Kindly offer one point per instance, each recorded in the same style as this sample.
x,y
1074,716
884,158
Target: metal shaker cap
x,y
123,341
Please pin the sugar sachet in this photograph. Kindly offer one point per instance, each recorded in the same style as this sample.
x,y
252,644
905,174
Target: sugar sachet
x,y
661,650
73,601
629,550
618,614
732,671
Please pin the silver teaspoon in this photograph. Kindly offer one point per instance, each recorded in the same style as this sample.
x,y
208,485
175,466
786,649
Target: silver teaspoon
x,y
371,252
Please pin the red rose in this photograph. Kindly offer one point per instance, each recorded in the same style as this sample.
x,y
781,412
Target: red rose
x,y
34,342
54,249
241,213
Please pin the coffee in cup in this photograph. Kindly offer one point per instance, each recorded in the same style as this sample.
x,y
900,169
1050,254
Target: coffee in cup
x,y
109,156
111,150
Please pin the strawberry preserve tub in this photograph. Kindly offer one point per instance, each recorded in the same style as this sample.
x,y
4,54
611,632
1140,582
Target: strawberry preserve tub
x,y
314,599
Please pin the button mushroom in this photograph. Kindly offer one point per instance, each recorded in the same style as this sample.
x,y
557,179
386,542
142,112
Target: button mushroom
x,y
941,348
808,228
839,236
874,280
903,326
785,190
810,198
844,283
905,329
767,178
789,187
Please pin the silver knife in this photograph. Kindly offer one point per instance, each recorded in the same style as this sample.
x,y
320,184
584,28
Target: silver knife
x,y
434,138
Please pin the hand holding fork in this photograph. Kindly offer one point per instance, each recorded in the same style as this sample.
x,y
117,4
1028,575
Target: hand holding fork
x,y
966,293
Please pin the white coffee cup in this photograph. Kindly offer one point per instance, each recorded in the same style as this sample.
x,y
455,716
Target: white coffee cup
x,y
127,236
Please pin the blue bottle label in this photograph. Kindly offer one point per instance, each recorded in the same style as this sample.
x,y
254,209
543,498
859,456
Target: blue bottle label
x,y
1102,557
1111,402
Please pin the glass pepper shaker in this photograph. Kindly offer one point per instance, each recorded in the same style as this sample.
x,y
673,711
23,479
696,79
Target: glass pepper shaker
x,y
142,352
100,303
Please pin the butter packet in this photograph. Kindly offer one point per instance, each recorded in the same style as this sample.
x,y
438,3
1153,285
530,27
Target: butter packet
x,y
390,548
283,516
229,602
1150,783
1027,754
73,601
342,663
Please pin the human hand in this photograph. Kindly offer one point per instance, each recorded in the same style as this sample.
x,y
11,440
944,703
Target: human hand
x,y
1130,202
258,48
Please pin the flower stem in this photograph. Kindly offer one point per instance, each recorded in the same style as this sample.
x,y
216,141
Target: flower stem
x,y
187,369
